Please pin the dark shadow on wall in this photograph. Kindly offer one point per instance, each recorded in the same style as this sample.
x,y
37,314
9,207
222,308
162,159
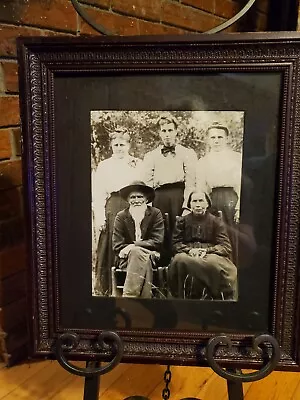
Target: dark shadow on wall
x,y
249,22
283,15
13,288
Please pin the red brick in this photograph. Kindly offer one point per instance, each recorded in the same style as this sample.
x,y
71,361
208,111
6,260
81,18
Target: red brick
x,y
11,232
10,174
8,35
10,71
16,144
12,288
101,3
54,14
224,8
9,110
12,260
13,314
15,342
233,28
187,17
2,82
206,5
140,8
227,8
9,203
117,24
52,33
150,28
5,145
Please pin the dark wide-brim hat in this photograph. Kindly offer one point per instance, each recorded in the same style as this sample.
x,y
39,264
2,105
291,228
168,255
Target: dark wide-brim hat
x,y
137,186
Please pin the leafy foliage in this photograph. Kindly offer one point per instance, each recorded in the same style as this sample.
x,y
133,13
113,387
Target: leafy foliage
x,y
144,132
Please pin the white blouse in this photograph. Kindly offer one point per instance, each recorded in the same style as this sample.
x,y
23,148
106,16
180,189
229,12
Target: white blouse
x,y
180,167
220,169
110,176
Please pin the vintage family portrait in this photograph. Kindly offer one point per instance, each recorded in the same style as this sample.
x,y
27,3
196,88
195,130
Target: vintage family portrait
x,y
162,188
165,197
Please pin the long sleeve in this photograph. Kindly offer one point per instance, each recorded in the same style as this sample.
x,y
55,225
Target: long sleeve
x,y
238,178
118,236
222,245
220,169
201,177
189,166
178,237
148,168
99,196
156,237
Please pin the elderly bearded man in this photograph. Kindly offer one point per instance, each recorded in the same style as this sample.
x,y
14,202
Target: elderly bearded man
x,y
137,236
202,250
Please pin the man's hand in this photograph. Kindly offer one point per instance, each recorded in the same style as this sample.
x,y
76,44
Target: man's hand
x,y
197,253
102,227
237,216
202,253
124,252
193,252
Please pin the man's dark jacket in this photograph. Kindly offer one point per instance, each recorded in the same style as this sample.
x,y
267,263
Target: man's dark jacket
x,y
152,230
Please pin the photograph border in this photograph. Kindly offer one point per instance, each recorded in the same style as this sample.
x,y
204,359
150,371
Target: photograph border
x,y
138,133
40,60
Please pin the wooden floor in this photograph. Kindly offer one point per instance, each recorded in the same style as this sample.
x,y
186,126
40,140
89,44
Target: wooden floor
x,y
47,380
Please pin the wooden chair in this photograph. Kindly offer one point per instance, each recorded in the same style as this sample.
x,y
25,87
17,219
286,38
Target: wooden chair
x,y
194,289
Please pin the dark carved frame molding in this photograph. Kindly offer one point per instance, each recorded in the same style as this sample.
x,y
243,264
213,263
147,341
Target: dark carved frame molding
x,y
40,60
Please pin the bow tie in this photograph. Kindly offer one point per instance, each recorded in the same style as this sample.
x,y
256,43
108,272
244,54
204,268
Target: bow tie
x,y
165,150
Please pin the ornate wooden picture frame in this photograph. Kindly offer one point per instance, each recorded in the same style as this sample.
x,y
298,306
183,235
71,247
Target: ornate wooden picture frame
x,y
73,94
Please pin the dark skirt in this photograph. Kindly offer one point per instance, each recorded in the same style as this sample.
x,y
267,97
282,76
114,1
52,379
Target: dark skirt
x,y
105,254
169,199
216,273
224,199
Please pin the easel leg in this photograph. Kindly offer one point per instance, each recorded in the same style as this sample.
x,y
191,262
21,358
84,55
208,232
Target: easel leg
x,y
235,390
92,383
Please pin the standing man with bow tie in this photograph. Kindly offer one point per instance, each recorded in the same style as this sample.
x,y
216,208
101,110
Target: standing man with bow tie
x,y
171,170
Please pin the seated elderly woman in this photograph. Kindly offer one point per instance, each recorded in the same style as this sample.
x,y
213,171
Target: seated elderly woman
x,y
202,250
137,236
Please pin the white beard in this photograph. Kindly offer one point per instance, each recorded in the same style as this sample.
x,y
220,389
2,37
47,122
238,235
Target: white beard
x,y
138,214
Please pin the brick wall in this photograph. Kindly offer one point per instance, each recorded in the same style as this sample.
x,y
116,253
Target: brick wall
x,y
58,17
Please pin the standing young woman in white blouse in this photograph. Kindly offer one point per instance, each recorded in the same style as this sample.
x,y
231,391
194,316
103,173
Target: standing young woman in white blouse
x,y
219,173
110,176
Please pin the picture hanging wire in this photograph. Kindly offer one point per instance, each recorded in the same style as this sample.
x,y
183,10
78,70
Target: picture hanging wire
x,y
101,29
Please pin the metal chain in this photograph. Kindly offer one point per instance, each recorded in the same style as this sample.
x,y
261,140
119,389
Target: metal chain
x,y
167,378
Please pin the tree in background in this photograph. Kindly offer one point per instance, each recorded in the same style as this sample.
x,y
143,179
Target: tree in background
x,y
144,132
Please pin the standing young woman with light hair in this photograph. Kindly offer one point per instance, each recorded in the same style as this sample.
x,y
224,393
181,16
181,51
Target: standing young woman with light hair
x,y
219,173
110,176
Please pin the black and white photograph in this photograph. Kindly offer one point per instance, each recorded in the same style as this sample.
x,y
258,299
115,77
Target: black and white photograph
x,y
162,185
166,189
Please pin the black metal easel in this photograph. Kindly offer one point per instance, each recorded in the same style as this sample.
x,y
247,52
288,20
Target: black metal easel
x,y
111,340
